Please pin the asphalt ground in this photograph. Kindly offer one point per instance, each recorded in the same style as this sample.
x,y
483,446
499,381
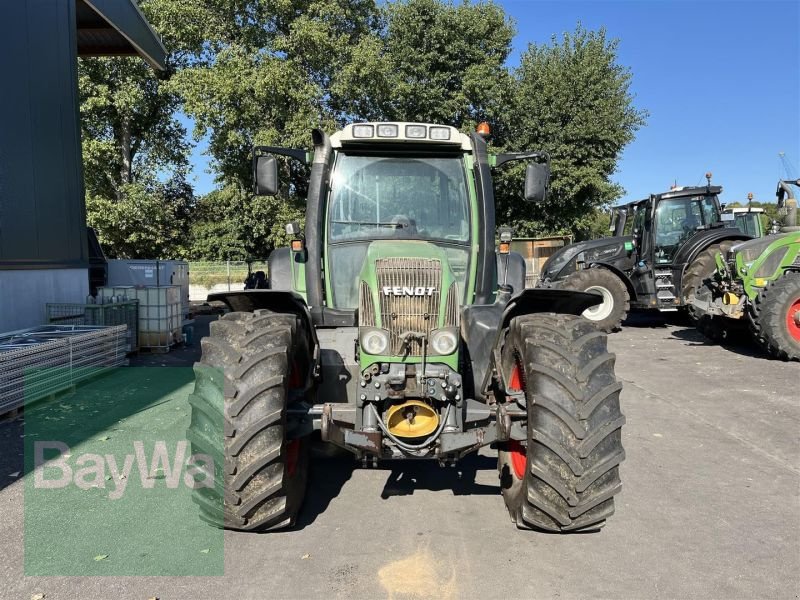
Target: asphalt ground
x,y
710,506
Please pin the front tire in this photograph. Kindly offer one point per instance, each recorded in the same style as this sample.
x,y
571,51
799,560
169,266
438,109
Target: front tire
x,y
775,317
608,315
248,366
565,476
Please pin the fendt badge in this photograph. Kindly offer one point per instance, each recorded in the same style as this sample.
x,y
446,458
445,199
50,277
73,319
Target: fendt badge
x,y
407,291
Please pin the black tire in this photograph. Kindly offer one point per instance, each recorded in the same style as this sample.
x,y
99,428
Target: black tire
x,y
701,268
769,316
612,288
569,474
239,419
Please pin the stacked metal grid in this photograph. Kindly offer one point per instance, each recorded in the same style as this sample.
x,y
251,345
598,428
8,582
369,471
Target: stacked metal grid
x,y
118,313
38,362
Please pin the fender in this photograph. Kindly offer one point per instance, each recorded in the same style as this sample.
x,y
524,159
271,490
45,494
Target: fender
x,y
483,326
280,301
703,240
616,271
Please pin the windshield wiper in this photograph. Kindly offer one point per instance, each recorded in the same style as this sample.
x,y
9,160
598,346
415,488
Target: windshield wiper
x,y
376,223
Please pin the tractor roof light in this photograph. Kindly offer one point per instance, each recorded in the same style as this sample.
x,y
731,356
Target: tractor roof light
x,y
363,131
439,133
483,129
416,131
387,130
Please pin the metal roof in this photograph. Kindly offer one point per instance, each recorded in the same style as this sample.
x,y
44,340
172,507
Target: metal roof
x,y
117,28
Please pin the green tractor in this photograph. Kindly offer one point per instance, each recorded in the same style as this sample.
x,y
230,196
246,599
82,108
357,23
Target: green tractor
x,y
758,283
746,219
396,328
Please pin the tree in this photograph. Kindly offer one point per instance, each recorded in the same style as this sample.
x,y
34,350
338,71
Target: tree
x,y
135,158
146,220
229,224
266,80
430,61
571,99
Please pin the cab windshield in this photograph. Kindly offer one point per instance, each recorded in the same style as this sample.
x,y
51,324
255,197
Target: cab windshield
x,y
677,219
378,197
394,198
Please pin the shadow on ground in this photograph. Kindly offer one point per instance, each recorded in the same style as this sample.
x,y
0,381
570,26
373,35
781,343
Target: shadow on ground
x,y
740,344
405,477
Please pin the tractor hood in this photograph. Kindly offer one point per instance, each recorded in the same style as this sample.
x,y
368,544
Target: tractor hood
x,y
407,288
602,250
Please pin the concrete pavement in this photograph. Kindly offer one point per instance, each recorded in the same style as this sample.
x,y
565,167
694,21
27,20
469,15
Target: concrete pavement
x,y
710,506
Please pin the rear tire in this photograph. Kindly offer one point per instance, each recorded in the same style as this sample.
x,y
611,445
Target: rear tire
x,y
702,267
565,477
773,316
249,363
609,315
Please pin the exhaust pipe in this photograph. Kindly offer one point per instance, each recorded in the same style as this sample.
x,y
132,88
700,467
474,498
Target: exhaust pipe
x,y
787,201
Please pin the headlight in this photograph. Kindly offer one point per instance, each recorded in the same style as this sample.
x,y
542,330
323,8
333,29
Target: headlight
x,y
444,341
374,341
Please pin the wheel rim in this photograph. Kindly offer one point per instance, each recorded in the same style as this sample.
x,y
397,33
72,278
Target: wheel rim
x,y
793,320
603,310
516,451
292,456
293,446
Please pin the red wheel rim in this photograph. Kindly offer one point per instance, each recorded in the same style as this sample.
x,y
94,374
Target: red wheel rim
x,y
293,446
519,458
295,379
292,455
792,317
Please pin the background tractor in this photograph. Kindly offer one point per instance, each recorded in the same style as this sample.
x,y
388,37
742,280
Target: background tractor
x,y
758,282
661,249
397,329
746,219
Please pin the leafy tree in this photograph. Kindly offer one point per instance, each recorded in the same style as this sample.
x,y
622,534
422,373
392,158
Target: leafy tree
x,y
128,125
229,224
572,99
593,225
146,220
430,61
135,154
266,78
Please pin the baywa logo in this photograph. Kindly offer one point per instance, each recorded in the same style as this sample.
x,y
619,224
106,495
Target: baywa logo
x,y
89,470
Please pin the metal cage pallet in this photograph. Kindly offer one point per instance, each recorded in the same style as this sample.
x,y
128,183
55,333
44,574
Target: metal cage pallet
x,y
38,362
160,319
118,313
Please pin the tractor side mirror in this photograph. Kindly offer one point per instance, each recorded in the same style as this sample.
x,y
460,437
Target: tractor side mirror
x,y
265,175
537,178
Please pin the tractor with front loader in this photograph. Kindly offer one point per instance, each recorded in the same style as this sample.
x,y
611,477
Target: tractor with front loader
x,y
662,247
758,283
398,329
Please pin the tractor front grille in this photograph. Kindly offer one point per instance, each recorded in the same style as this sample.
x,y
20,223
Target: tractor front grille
x,y
366,307
408,312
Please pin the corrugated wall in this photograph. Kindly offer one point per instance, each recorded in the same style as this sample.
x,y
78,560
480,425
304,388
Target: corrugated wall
x,y
42,210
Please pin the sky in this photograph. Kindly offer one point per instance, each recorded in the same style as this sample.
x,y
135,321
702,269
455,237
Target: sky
x,y
720,79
